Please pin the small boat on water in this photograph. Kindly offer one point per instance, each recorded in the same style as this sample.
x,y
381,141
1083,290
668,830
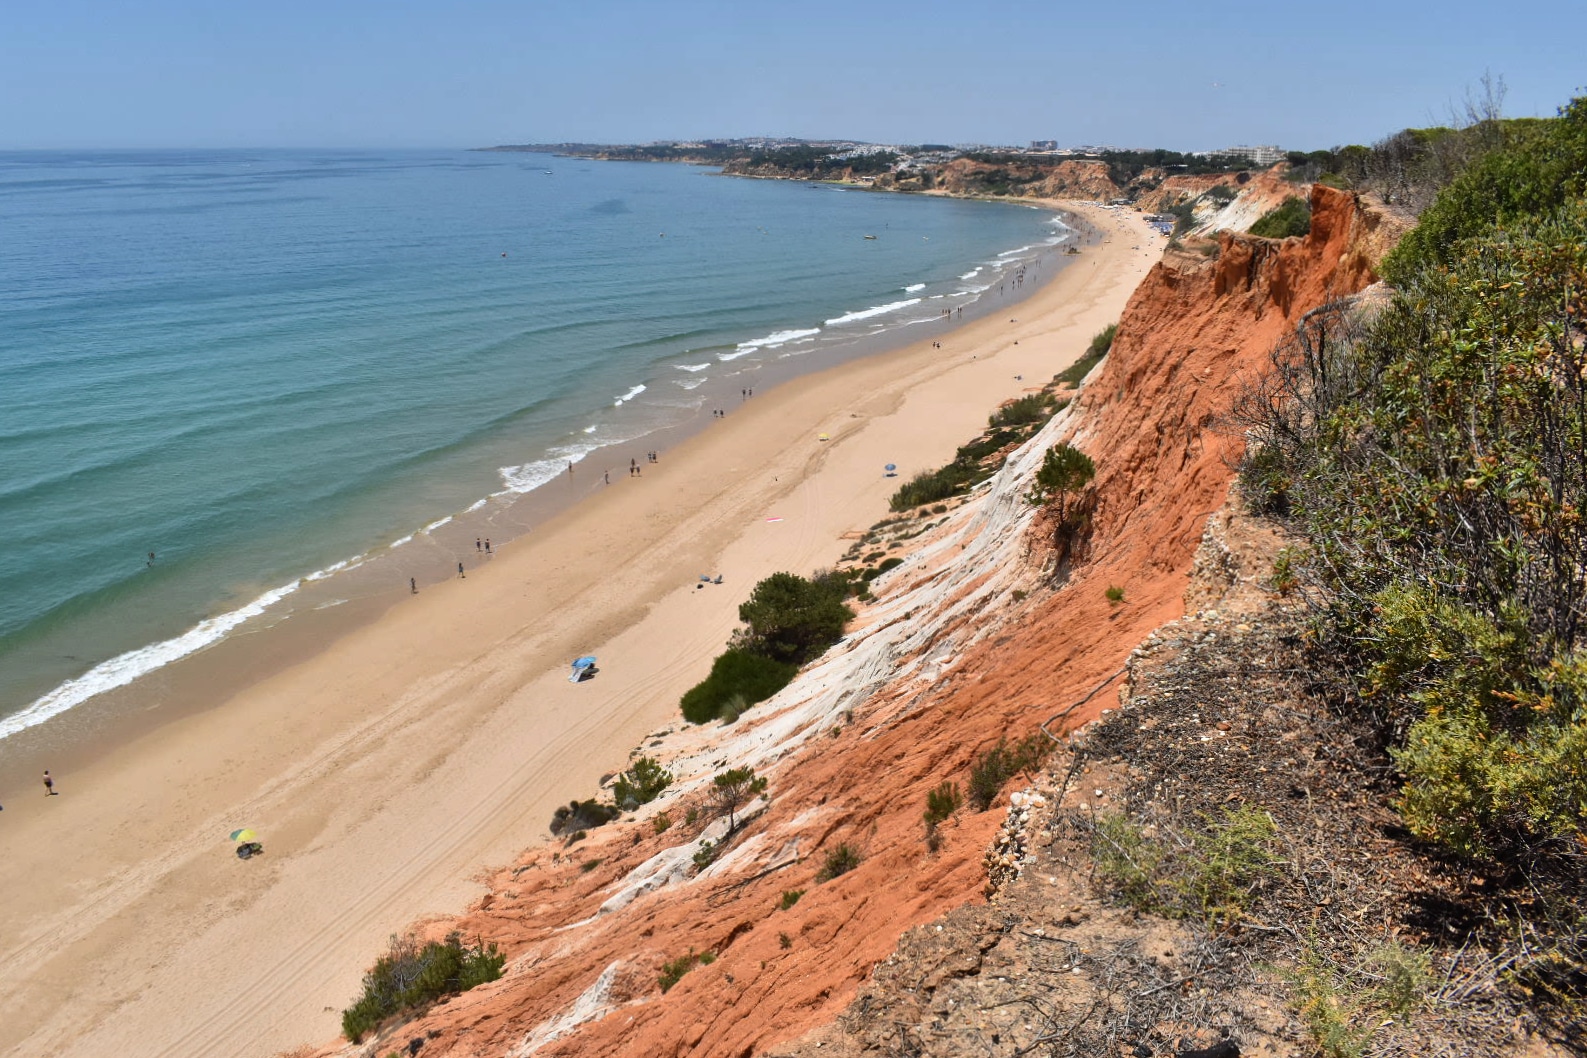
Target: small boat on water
x,y
871,237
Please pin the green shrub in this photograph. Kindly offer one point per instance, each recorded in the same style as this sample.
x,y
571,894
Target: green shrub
x,y
839,861
791,619
1328,1009
1338,1004
1100,344
1437,461
1125,861
736,673
1209,875
733,787
1292,217
1022,411
1227,857
1115,594
1064,470
891,563
1540,167
661,823
577,816
790,897
1221,193
941,803
705,855
929,486
409,976
672,972
641,784
992,769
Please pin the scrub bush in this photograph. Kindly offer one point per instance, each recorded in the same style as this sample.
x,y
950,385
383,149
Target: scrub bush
x,y
737,673
1292,217
409,976
641,784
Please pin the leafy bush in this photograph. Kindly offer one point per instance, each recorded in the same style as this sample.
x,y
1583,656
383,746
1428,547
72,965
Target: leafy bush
x,y
577,816
992,769
1115,594
790,619
409,976
790,897
1064,469
1208,875
736,673
1437,460
1292,217
1125,861
1339,1004
1541,167
705,855
672,972
641,784
1221,193
1022,411
929,486
941,803
887,564
839,861
733,787
1101,342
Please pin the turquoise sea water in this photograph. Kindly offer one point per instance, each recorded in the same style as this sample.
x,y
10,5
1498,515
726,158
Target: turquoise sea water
x,y
266,367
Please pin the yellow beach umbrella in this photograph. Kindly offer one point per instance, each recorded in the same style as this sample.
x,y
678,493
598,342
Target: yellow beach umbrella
x,y
243,835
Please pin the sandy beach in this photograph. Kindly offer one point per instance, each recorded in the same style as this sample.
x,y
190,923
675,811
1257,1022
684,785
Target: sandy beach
x,y
400,759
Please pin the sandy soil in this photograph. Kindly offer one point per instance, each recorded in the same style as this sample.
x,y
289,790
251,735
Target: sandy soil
x,y
390,769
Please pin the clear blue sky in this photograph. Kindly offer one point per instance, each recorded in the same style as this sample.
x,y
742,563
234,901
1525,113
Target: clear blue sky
x,y
1186,75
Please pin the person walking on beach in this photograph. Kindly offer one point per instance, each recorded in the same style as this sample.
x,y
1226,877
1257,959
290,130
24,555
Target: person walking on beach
x,y
413,585
607,476
460,572
476,543
487,545
49,784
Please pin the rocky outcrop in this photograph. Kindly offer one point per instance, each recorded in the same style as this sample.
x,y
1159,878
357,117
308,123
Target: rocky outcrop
x,y
975,638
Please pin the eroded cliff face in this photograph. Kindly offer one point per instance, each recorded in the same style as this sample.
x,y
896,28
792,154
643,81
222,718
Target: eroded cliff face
x,y
975,638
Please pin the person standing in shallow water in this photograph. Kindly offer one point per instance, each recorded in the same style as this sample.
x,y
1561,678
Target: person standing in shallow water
x,y
460,572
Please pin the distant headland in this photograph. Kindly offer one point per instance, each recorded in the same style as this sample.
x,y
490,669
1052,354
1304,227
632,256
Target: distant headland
x,y
1042,170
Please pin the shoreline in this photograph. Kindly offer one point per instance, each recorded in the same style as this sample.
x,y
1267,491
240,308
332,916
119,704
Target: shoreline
x,y
403,756
301,613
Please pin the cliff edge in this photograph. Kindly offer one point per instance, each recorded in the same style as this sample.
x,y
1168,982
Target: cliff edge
x,y
993,624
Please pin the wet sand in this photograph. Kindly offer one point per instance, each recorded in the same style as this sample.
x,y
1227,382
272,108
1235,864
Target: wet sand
x,y
386,763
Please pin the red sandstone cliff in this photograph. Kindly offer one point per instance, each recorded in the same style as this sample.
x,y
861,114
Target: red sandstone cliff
x,y
970,641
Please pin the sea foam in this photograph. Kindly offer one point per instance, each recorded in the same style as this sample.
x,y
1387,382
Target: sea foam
x,y
124,668
777,339
874,310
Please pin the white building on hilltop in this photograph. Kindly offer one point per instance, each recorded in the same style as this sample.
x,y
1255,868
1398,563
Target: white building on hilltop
x,y
1266,154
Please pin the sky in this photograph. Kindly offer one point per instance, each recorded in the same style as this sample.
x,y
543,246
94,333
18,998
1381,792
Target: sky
x,y
400,73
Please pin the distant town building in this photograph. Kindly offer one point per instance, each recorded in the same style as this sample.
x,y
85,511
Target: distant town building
x,y
1044,145
1265,154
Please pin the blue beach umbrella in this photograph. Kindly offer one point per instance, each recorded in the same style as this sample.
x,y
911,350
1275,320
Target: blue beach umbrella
x,y
892,469
582,667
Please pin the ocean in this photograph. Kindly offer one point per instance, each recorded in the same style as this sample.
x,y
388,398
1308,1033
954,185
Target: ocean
x,y
276,369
